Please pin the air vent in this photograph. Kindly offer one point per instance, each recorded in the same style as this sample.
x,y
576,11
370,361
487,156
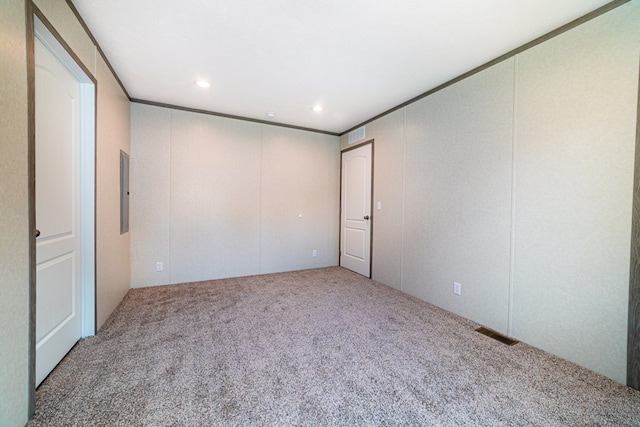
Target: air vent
x,y
356,135
497,336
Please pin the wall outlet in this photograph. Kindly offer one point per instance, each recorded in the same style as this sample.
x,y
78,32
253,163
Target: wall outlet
x,y
314,253
457,288
159,266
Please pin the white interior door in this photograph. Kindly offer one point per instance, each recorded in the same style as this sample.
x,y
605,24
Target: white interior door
x,y
58,211
355,221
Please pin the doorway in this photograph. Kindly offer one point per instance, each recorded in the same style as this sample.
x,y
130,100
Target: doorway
x,y
355,209
64,193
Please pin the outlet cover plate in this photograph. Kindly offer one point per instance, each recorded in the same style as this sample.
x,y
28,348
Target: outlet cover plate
x,y
457,288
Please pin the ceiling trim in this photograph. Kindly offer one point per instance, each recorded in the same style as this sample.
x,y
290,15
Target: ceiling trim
x,y
97,45
576,22
231,116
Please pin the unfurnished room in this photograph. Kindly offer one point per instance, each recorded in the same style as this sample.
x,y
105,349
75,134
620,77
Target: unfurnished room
x,y
249,213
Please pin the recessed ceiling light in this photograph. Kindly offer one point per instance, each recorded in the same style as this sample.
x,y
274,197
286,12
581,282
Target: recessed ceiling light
x,y
270,114
318,108
203,84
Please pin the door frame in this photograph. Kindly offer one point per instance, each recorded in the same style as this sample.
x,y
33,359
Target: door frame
x,y
38,26
372,219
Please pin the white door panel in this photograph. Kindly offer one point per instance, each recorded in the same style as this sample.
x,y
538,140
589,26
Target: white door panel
x,y
355,224
52,248
58,249
354,243
55,108
59,296
355,169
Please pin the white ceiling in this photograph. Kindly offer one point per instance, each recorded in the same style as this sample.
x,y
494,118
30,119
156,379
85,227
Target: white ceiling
x,y
358,58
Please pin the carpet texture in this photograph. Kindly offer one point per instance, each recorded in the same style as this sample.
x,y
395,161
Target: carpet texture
x,y
319,347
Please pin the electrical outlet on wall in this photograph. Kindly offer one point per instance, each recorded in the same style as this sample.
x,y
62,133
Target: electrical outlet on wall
x,y
457,288
314,253
159,266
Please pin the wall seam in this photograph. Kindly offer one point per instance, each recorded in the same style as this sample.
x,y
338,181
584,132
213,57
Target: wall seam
x,y
260,193
512,237
170,196
402,207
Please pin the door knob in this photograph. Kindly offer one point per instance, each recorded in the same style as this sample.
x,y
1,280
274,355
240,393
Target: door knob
x,y
366,217
37,232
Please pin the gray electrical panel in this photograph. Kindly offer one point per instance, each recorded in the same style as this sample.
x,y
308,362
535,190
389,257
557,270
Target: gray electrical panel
x,y
124,192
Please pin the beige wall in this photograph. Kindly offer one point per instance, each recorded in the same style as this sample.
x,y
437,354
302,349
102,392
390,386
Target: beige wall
x,y
517,183
14,226
458,196
577,97
112,249
388,154
213,197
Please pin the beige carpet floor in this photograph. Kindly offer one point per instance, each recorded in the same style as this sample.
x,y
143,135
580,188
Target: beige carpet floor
x,y
323,347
